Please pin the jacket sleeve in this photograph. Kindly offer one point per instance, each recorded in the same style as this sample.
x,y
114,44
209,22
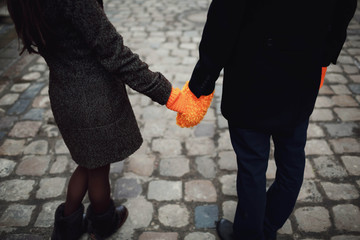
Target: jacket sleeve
x,y
218,40
343,12
89,19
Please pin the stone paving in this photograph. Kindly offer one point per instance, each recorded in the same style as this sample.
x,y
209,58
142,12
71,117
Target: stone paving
x,y
181,180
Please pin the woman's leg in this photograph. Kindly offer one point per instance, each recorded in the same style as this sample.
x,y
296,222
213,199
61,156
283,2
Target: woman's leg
x,y
99,188
76,191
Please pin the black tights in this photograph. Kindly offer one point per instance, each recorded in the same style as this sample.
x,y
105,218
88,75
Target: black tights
x,y
95,182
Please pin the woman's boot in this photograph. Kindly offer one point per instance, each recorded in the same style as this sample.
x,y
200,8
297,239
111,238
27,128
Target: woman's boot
x,y
100,226
70,227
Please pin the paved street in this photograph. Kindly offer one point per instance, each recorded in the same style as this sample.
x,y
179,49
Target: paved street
x,y
181,180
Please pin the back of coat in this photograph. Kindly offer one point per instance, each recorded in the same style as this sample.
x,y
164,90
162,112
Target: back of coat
x,y
272,77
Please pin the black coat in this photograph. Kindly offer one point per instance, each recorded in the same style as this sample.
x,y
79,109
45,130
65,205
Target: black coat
x,y
272,53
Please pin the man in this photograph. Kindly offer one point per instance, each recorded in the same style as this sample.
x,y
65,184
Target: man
x,y
272,53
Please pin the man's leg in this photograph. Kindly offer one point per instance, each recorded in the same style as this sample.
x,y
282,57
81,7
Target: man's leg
x,y
290,162
252,151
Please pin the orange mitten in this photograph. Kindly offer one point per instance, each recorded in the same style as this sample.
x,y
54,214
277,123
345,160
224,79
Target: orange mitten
x,y
176,101
195,110
323,72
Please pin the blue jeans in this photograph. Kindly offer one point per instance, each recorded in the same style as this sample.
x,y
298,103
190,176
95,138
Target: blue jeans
x,y
261,213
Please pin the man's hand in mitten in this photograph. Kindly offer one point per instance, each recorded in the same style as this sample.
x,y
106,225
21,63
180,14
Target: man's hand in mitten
x,y
195,109
323,72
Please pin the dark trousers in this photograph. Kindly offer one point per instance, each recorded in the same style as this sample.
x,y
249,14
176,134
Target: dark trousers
x,y
261,213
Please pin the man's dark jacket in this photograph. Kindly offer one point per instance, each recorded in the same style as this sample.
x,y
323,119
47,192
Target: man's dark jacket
x,y
272,52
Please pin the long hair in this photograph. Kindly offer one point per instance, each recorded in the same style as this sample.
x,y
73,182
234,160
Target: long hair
x,y
30,25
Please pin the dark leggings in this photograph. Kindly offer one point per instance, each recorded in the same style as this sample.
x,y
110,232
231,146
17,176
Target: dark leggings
x,y
95,182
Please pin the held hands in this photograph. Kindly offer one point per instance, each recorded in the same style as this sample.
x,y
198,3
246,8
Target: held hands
x,y
191,110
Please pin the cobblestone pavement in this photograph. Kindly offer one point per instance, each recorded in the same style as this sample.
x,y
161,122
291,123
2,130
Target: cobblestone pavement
x,y
181,180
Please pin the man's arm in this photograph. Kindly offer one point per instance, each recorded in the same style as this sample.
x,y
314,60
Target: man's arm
x,y
218,40
343,12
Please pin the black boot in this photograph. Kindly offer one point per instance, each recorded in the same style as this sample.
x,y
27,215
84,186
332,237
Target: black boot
x,y
101,226
224,229
70,227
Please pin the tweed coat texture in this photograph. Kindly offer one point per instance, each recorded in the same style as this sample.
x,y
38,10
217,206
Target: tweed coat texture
x,y
89,66
272,53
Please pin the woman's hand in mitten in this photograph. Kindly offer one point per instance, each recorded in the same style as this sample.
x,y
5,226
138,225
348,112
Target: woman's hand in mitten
x,y
176,101
195,109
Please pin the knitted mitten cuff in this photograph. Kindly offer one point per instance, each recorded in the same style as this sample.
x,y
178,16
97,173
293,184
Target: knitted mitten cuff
x,y
176,101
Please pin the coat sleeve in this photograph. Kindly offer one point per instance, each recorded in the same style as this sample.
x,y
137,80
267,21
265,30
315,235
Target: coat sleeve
x,y
218,40
89,19
343,12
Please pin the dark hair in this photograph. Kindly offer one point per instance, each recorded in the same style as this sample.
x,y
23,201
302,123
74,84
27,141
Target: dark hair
x,y
31,28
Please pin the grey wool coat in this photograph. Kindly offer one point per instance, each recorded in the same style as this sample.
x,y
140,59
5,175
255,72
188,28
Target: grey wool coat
x,y
89,67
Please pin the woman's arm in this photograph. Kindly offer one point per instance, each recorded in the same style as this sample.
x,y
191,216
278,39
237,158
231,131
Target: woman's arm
x,y
90,21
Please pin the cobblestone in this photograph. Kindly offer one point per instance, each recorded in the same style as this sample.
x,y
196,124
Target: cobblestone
x,y
340,191
158,236
167,147
347,217
322,115
173,215
206,166
199,236
315,131
341,129
9,99
329,168
17,215
51,187
229,209
6,167
345,145
46,216
25,129
174,167
140,212
59,166
181,180
165,190
352,164
309,192
127,188
33,166
15,190
206,216
317,147
39,147
313,219
228,185
345,237
227,160
200,191
340,89
142,165
348,114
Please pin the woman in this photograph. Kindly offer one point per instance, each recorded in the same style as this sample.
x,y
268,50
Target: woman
x,y
89,67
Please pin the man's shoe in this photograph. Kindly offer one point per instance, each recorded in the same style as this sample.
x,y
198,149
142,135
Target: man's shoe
x,y
224,229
